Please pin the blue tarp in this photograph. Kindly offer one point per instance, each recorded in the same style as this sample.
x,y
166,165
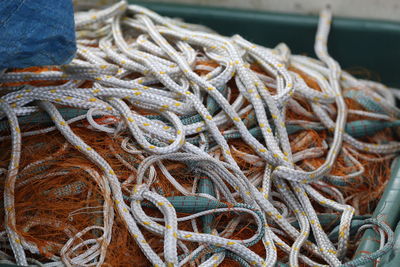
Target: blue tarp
x,y
36,33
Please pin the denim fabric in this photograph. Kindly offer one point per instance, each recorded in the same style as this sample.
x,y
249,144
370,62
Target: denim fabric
x,y
36,33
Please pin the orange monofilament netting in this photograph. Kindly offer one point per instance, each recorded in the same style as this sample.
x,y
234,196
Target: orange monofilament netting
x,y
55,197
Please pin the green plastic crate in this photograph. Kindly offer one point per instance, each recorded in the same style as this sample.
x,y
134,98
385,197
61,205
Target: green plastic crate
x,y
368,44
387,210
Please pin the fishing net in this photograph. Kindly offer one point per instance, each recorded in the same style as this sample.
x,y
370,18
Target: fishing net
x,y
165,144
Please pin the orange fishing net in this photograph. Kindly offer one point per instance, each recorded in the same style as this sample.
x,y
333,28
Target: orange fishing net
x,y
56,197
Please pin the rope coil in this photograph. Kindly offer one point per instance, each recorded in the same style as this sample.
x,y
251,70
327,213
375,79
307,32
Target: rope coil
x,y
246,121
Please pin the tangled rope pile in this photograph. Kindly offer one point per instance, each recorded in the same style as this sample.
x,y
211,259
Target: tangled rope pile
x,y
168,93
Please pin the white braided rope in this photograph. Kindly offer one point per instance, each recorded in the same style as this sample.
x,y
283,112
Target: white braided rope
x,y
165,53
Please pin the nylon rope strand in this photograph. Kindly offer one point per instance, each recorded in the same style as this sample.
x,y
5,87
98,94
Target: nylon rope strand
x,y
135,60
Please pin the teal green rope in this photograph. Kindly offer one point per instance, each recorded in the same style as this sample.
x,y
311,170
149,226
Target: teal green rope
x,y
206,187
368,258
367,102
392,259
